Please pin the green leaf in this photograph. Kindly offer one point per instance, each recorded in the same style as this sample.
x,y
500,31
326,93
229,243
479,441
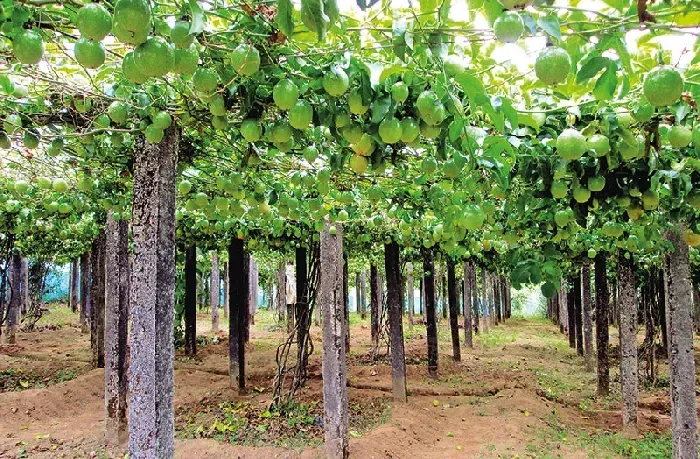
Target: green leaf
x,y
607,83
6,84
428,6
283,17
471,85
550,24
330,8
496,118
591,68
390,70
380,108
492,9
197,23
528,120
455,129
508,111
314,17
444,10
619,5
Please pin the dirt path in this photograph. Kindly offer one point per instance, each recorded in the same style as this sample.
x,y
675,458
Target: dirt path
x,y
520,393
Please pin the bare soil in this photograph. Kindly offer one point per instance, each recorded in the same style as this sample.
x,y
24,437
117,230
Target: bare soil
x,y
521,392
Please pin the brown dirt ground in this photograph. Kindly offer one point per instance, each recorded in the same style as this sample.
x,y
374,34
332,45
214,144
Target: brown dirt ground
x,y
519,382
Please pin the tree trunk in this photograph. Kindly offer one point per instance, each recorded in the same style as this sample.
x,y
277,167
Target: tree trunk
x,y
430,323
485,299
282,291
214,291
226,293
13,306
335,391
571,315
302,309
165,297
152,296
85,298
393,290
578,312
563,309
452,300
662,306
191,300
602,311
3,292
492,298
422,300
116,313
628,341
374,304
679,317
346,302
409,293
97,313
444,304
238,310
475,298
696,308
24,290
467,290
73,286
509,303
253,302
587,315
498,301
362,285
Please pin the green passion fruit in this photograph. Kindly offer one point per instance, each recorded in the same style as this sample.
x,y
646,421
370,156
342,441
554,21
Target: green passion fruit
x,y
185,60
571,144
559,189
598,145
245,59
410,130
335,81
663,86
285,94
28,47
301,115
205,80
390,130
118,112
596,183
90,54
680,136
133,15
250,130
94,21
508,27
399,91
552,65
180,35
130,71
154,57
358,163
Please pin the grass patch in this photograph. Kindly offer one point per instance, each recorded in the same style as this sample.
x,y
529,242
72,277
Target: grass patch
x,y
58,316
648,447
292,425
17,379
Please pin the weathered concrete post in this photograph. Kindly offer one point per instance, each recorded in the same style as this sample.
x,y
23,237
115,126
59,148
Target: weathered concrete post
x,y
335,391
